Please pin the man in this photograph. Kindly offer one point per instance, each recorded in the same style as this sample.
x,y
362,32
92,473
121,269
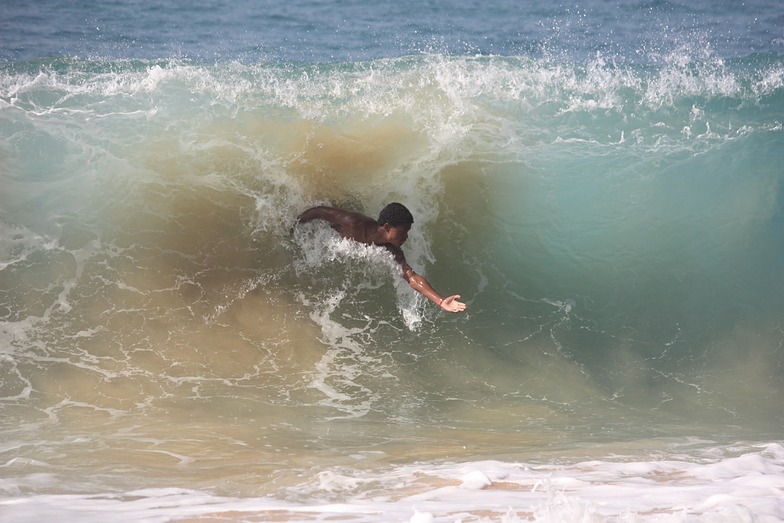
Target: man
x,y
390,231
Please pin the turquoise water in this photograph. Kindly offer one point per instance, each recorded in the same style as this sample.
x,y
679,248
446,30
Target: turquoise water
x,y
601,183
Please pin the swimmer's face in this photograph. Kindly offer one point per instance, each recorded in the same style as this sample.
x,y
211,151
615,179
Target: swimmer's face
x,y
397,235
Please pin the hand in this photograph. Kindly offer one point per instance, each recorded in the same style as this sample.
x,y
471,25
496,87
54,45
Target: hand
x,y
450,304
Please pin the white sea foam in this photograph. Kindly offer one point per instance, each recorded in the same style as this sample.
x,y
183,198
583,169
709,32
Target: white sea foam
x,y
18,242
746,484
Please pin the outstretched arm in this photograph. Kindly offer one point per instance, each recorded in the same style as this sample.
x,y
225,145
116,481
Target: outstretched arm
x,y
421,285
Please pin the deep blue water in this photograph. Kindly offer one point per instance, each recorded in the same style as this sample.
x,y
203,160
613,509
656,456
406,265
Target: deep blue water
x,y
313,31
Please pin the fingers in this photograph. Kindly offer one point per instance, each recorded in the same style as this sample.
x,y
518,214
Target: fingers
x,y
452,305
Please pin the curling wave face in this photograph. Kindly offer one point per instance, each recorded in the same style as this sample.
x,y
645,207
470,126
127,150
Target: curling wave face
x,y
615,230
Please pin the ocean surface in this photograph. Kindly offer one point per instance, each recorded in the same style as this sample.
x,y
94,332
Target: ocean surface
x,y
602,182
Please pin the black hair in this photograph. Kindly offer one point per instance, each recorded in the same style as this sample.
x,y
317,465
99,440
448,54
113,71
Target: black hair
x,y
395,214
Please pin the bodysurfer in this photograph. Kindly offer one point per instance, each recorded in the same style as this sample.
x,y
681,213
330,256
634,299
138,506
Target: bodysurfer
x,y
389,231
